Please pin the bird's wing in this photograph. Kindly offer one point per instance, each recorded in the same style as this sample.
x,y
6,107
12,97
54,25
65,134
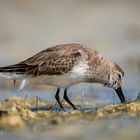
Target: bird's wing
x,y
55,64
52,61
17,68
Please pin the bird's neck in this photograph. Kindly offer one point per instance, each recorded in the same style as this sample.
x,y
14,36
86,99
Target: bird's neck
x,y
99,72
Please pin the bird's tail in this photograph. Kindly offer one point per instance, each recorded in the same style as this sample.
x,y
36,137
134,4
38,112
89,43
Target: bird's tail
x,y
13,71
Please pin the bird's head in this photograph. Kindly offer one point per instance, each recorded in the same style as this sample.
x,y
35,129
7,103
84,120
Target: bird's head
x,y
115,76
114,81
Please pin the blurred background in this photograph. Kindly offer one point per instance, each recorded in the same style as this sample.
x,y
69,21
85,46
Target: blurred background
x,y
110,26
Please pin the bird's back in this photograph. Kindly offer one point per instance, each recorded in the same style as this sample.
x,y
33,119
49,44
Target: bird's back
x,y
53,61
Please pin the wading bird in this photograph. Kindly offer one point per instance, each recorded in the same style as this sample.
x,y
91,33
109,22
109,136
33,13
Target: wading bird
x,y
66,65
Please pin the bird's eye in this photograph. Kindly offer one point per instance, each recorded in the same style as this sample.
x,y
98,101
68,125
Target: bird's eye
x,y
119,76
105,84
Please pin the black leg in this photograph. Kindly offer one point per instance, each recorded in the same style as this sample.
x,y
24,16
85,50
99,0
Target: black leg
x,y
67,99
14,83
58,98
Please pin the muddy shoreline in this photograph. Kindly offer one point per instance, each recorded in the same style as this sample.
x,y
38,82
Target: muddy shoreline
x,y
17,113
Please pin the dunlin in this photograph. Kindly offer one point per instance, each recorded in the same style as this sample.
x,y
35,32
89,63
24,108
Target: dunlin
x,y
66,65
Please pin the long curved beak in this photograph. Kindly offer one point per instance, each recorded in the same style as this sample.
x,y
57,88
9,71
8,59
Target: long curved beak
x,y
120,94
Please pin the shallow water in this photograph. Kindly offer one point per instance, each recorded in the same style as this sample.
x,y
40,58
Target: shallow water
x,y
123,127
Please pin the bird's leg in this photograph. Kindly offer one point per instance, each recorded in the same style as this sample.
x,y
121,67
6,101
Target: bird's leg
x,y
14,83
67,99
58,98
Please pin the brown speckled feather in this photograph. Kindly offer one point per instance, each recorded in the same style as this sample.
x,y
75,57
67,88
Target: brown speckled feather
x,y
52,61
